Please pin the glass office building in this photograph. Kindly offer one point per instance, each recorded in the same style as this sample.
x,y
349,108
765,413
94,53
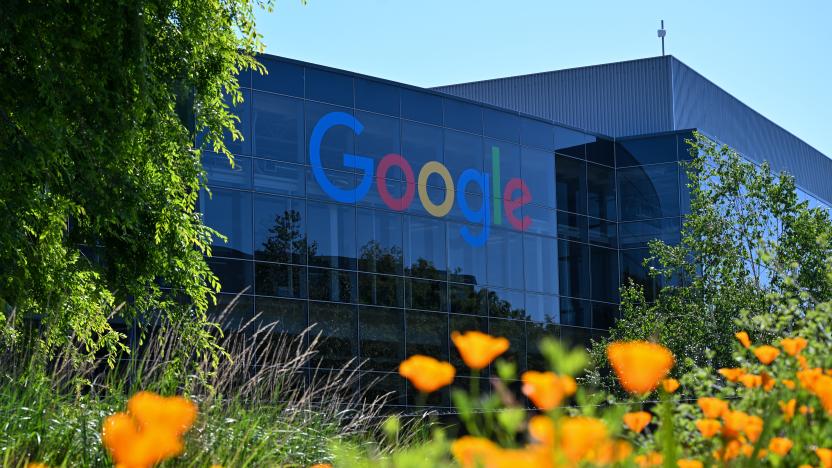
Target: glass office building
x,y
388,216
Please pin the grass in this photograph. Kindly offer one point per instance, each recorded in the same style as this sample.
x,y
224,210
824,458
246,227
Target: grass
x,y
266,405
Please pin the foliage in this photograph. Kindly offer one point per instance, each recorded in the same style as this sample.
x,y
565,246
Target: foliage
x,y
748,236
100,106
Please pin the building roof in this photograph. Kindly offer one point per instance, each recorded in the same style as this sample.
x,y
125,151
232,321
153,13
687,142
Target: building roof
x,y
654,95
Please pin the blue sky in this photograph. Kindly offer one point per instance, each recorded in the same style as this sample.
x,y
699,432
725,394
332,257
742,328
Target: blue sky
x,y
774,56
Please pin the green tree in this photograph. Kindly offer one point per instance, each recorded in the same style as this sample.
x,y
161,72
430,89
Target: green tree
x,y
748,237
100,106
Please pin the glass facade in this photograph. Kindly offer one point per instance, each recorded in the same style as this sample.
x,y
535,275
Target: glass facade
x,y
387,217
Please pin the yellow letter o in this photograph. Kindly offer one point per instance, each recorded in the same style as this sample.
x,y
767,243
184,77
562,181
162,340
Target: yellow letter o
x,y
435,167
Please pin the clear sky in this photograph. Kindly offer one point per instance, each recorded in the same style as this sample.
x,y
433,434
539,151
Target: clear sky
x,y
774,56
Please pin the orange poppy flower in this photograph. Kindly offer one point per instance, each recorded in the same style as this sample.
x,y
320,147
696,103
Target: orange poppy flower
x,y
478,349
688,463
788,383
638,420
768,381
731,375
748,450
316,465
639,365
735,422
766,354
731,450
542,430
611,452
788,407
547,389
472,451
712,407
808,377
804,410
36,465
751,380
648,459
743,338
823,389
780,446
670,385
804,363
426,373
580,436
825,456
793,346
753,428
708,427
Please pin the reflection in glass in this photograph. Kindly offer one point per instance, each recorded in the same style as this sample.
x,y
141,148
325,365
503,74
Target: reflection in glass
x,y
573,269
278,128
604,274
601,192
382,290
426,294
539,265
505,259
466,264
272,279
538,171
234,275
229,212
339,334
219,172
427,334
649,192
331,230
574,312
505,303
468,299
327,86
515,331
279,178
571,185
379,240
279,230
425,247
333,285
643,151
543,308
381,331
337,141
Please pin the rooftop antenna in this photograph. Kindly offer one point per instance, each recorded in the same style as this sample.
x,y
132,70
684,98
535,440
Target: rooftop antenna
x,y
662,33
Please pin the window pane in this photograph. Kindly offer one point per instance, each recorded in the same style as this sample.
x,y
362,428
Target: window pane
x,y
462,151
633,269
601,151
603,232
541,255
382,290
682,147
327,86
642,151
604,274
288,315
639,233
234,275
229,212
427,334
574,312
425,247
340,179
376,96
331,231
571,142
220,173
462,115
506,303
424,107
381,136
382,337
283,77
571,185
468,299
376,385
466,263
420,144
537,133
333,285
535,333
538,171
278,128
543,220
379,240
576,337
573,269
502,125
572,226
502,162
339,333
279,178
604,315
543,308
515,331
280,229
601,192
426,295
649,192
273,279
505,259
231,310
338,140
243,111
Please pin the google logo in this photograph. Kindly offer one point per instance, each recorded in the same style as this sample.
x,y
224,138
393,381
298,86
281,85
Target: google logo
x,y
514,195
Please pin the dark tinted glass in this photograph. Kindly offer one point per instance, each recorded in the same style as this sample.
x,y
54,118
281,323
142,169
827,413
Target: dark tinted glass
x,y
601,151
535,333
378,385
639,233
571,142
505,262
537,133
538,171
235,276
462,151
576,337
427,334
515,332
542,308
337,141
573,269
220,173
462,115
574,312
421,143
229,212
340,179
572,226
604,315
231,311
423,107
633,269
278,128
543,220
327,86
646,151
571,185
466,264
382,337
333,285
288,315
502,125
426,294
279,178
600,183
280,229
502,161
603,232
272,279
468,299
381,290
649,192
682,147
506,303
376,96
243,111
425,244
684,189
339,333
379,240
331,235
381,136
540,265
604,271
282,77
